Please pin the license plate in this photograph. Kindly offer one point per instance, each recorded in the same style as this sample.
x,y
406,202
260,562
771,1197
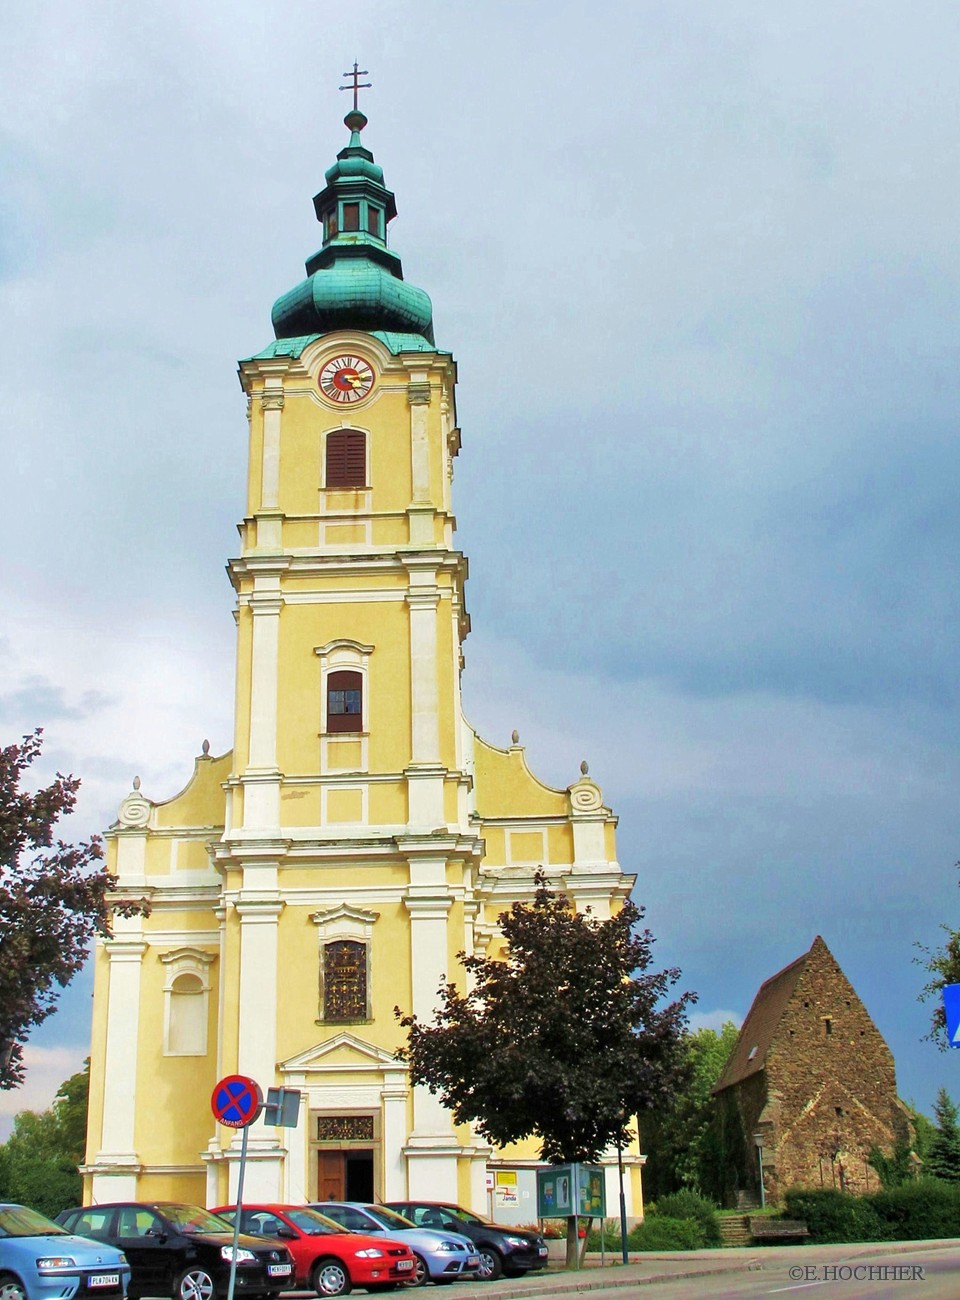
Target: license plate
x,y
542,1250
473,1261
404,1265
103,1279
279,1270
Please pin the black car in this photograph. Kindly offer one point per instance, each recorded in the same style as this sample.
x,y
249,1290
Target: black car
x,y
502,1249
183,1251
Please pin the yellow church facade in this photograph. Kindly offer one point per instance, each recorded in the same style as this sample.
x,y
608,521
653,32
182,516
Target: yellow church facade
x,y
359,834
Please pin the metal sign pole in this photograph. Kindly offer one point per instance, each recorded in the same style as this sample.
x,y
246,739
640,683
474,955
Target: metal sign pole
x,y
236,1217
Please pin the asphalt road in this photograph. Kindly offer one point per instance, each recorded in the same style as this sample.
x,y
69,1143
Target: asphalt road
x,y
922,1270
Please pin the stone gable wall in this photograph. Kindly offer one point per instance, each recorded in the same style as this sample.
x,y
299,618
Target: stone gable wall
x,y
831,1086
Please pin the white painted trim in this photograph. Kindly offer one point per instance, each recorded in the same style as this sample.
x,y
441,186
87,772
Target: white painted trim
x,y
195,963
328,746
271,404
341,655
540,859
332,829
263,684
330,543
118,1116
258,978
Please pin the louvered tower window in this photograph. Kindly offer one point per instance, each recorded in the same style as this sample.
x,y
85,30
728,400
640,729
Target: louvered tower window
x,y
344,701
346,458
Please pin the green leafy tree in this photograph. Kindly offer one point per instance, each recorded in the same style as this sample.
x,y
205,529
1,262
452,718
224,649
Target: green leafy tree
x,y
51,904
563,1039
943,1156
38,1162
683,1141
943,966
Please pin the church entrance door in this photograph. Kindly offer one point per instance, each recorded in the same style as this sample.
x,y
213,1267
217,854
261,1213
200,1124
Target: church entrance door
x,y
345,1175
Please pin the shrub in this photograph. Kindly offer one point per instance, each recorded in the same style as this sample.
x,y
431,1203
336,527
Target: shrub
x,y
927,1208
835,1216
688,1205
611,1235
660,1232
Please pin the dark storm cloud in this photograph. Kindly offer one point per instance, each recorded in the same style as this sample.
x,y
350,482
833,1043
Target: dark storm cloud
x,y
699,268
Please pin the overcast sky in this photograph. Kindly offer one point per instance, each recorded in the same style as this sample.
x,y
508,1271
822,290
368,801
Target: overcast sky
x,y
699,266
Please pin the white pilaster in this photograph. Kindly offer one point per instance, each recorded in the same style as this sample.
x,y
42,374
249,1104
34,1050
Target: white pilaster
x,y
265,607
117,1138
259,941
422,599
394,1101
295,1190
428,903
271,404
418,395
261,806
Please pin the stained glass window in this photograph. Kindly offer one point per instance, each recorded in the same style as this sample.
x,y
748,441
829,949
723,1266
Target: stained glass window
x,y
345,980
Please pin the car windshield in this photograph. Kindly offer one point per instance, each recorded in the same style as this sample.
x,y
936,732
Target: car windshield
x,y
18,1221
389,1218
313,1223
189,1219
470,1218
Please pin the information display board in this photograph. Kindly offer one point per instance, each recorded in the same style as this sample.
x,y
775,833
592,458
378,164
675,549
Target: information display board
x,y
563,1190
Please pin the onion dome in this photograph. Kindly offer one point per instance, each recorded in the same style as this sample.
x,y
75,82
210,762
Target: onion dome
x,y
355,281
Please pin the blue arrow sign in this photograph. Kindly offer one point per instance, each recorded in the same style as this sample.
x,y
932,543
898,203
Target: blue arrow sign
x,y
951,1006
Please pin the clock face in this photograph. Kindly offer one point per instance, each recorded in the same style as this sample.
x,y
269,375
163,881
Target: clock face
x,y
346,379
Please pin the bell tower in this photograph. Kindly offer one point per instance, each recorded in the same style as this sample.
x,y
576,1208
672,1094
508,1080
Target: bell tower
x,y
348,761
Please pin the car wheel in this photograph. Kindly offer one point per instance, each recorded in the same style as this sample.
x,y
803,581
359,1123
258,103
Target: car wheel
x,y
330,1277
491,1264
194,1284
11,1288
421,1274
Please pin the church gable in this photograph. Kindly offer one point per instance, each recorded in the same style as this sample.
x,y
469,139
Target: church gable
x,y
341,1052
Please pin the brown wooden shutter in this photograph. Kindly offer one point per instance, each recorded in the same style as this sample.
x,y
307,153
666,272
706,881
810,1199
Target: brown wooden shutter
x,y
346,458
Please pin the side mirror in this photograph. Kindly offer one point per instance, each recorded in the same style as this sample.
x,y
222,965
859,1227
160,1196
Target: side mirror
x,y
286,1233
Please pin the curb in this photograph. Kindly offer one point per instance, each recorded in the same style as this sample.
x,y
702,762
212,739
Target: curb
x,y
606,1280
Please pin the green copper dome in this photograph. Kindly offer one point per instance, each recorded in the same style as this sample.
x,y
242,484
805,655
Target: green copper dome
x,y
355,281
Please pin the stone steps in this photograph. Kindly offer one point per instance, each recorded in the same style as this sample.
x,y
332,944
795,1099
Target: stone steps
x,y
735,1230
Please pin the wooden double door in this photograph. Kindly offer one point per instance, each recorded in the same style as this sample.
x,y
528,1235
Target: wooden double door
x,y
345,1175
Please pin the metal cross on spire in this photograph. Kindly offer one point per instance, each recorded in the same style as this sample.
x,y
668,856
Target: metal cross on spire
x,y
357,84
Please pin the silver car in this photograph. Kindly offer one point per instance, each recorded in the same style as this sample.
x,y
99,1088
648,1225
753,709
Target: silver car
x,y
440,1256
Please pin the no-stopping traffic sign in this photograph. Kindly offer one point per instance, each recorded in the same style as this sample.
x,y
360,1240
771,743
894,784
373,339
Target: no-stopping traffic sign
x,y
236,1101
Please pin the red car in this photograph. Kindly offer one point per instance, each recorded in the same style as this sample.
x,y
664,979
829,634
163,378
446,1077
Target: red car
x,y
326,1257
